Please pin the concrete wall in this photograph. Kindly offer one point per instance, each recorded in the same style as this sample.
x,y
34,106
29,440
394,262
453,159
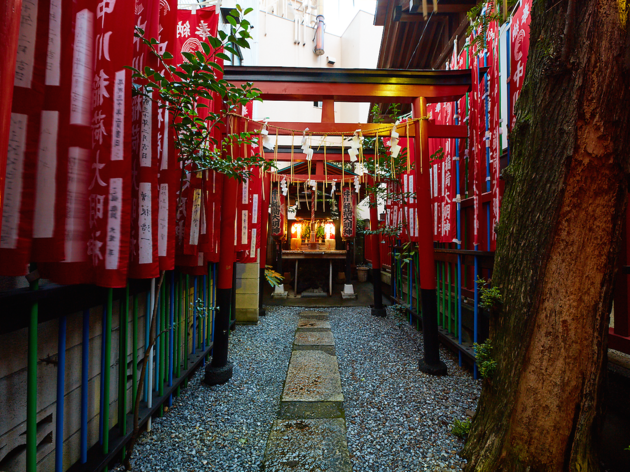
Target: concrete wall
x,y
247,293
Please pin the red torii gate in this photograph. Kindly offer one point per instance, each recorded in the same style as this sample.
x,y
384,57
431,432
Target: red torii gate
x,y
417,87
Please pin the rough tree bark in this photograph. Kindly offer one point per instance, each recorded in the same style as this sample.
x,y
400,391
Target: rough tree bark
x,y
558,238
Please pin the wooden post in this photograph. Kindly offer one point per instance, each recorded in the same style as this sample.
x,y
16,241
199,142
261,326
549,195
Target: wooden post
x,y
431,363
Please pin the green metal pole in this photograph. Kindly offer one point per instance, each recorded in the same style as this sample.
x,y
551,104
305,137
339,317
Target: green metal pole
x,y
178,310
160,377
107,373
31,387
448,294
122,365
134,369
444,288
187,324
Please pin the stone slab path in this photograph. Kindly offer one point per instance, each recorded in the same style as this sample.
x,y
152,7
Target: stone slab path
x,y
310,434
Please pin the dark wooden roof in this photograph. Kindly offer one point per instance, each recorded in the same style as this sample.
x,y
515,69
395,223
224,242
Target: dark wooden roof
x,y
411,42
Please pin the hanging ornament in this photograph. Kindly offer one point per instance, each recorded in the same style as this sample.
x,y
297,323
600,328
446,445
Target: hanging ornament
x,y
267,140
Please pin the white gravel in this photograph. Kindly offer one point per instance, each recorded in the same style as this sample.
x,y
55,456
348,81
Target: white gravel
x,y
398,419
225,427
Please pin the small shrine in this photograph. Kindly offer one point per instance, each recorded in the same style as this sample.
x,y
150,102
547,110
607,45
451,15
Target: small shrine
x,y
314,220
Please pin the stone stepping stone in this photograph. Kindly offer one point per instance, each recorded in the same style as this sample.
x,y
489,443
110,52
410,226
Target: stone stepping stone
x,y
314,315
313,324
318,338
313,376
309,445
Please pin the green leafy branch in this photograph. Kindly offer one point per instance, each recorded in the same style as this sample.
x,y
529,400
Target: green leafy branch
x,y
485,363
489,297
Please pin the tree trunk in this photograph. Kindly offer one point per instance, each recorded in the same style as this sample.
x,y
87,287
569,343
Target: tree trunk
x,y
557,245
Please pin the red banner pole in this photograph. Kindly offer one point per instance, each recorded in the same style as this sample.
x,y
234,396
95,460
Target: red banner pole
x,y
263,240
431,363
220,369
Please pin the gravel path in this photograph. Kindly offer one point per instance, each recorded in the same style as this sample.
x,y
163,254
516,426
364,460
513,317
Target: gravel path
x,y
225,427
398,419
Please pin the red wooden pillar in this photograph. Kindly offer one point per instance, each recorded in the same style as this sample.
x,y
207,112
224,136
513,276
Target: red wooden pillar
x,y
431,363
219,370
377,309
620,335
10,14
263,240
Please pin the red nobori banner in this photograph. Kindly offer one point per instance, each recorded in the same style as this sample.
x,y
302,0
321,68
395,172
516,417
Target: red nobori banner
x,y
519,49
145,147
21,162
193,27
111,171
495,128
169,172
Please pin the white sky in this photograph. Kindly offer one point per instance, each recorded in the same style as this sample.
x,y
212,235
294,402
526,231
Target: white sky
x,y
339,13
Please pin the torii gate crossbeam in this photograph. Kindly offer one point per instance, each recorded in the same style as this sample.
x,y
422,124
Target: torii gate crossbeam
x,y
417,87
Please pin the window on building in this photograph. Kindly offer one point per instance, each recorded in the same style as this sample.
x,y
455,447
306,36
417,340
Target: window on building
x,y
318,104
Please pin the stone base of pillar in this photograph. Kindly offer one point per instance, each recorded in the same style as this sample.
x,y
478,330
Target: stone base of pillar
x,y
348,292
432,369
382,312
218,375
279,292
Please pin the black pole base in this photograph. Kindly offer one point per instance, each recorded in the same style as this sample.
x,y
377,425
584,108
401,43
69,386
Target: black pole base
x,y
432,369
218,375
262,312
382,312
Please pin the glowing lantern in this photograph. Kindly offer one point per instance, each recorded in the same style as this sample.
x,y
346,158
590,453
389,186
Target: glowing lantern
x,y
330,231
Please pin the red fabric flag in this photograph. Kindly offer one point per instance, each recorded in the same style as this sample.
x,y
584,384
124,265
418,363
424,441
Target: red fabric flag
x,y
110,183
449,189
143,250
28,98
495,126
519,48
169,171
53,174
476,113
215,194
10,15
74,144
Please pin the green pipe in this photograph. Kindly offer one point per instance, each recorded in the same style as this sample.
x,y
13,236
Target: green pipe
x,y
107,373
31,387
160,376
417,279
448,294
178,310
122,364
134,369
187,324
165,324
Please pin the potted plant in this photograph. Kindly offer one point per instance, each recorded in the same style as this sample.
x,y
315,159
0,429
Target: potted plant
x,y
362,273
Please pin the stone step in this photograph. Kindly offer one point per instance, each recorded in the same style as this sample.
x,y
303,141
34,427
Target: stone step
x,y
317,338
313,376
307,445
313,324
